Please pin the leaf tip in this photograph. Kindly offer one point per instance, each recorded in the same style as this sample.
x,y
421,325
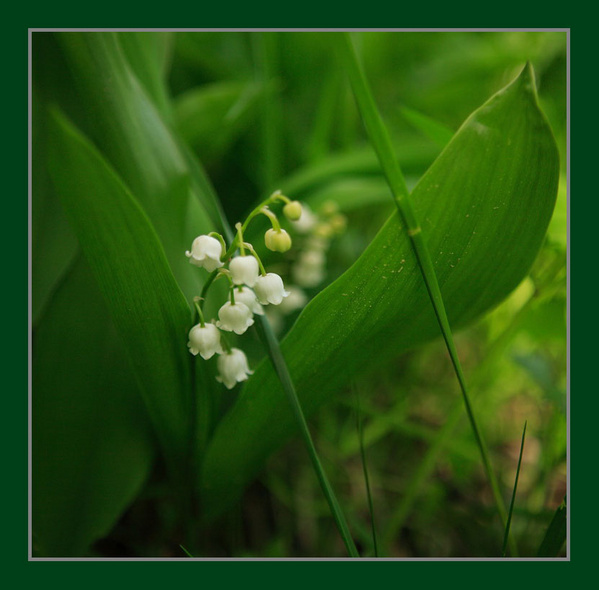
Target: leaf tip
x,y
526,79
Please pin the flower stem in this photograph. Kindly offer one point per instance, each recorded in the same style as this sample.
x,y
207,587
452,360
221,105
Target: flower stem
x,y
255,255
196,302
280,366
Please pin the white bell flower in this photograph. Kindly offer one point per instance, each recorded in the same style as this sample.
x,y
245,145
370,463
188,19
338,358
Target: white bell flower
x,y
308,276
235,318
312,259
270,289
206,252
246,296
233,368
244,270
204,340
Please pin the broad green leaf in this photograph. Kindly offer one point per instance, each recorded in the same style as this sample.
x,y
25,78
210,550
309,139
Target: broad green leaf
x,y
148,54
129,265
92,446
53,241
484,205
210,117
125,124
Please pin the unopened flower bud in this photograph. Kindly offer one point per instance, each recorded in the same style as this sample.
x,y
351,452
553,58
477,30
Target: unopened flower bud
x,y
324,230
293,210
277,241
329,208
338,222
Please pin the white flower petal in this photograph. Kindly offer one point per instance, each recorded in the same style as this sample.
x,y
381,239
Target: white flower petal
x,y
244,270
206,252
205,341
234,318
246,296
233,368
270,289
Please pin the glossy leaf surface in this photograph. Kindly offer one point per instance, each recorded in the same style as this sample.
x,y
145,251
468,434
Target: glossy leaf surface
x,y
484,207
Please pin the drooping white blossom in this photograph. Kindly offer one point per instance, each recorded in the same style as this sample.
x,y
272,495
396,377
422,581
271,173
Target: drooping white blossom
x,y
246,296
269,288
310,268
244,270
234,318
205,341
206,252
233,368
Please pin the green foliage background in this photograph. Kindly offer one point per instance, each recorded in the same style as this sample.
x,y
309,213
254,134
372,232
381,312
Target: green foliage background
x,y
127,130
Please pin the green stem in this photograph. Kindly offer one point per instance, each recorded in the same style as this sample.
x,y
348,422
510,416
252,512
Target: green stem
x,y
280,366
384,149
207,286
196,302
365,471
240,238
513,500
255,255
273,218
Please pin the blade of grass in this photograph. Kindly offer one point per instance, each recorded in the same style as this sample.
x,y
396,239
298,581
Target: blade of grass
x,y
280,366
382,143
555,536
513,500
365,470
186,552
544,288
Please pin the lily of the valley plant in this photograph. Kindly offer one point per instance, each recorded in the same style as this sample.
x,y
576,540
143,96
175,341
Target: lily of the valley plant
x,y
250,286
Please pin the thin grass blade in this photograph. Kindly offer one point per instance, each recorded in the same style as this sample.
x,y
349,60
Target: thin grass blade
x,y
365,471
513,500
382,144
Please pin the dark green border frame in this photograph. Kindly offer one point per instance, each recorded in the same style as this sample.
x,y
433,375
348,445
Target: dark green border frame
x,y
583,390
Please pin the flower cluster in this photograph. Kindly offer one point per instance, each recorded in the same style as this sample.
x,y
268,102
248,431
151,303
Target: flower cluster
x,y
250,288
316,230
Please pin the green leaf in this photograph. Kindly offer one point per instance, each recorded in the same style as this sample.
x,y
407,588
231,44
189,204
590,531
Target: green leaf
x,y
92,448
484,204
211,117
129,265
124,123
148,53
555,537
